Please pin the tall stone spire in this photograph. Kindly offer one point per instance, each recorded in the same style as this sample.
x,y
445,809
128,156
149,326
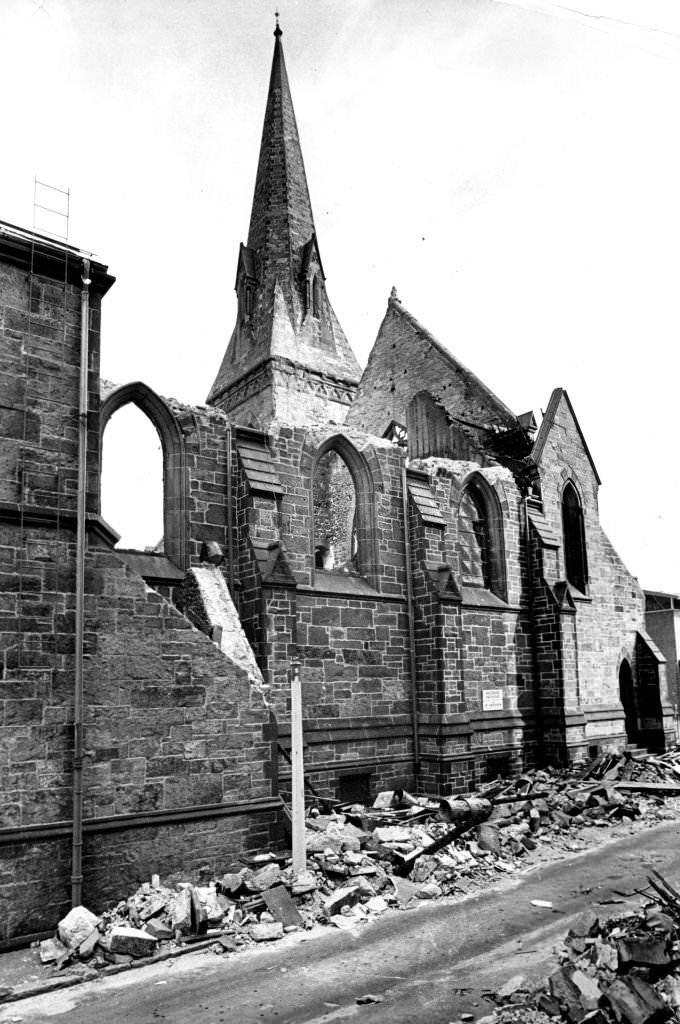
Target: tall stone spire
x,y
288,358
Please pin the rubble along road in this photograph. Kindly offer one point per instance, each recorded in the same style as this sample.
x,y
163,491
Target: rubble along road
x,y
430,965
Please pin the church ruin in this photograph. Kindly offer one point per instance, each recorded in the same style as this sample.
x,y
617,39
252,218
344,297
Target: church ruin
x,y
433,561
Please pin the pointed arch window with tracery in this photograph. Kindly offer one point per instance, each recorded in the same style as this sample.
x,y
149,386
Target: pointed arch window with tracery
x,y
480,539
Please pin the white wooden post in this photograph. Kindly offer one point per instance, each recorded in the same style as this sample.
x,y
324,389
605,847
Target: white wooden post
x,y
298,770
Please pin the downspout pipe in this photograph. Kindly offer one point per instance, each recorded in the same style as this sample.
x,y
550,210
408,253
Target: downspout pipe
x,y
77,834
230,516
538,708
411,625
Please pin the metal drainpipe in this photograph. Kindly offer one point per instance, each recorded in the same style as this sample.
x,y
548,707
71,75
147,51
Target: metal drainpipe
x,y
538,710
411,628
230,518
77,842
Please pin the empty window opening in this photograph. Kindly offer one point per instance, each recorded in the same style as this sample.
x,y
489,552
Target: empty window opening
x,y
335,527
132,480
354,789
575,563
497,767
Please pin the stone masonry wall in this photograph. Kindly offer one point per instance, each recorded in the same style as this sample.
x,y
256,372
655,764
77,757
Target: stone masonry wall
x,y
39,379
174,736
350,636
406,360
172,727
612,611
482,642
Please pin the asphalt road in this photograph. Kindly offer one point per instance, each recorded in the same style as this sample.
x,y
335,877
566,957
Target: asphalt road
x,y
427,965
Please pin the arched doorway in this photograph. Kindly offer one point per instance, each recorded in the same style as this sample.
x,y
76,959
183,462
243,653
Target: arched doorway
x,y
627,694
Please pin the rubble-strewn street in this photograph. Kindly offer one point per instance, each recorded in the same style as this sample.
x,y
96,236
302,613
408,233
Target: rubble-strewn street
x,y
433,964
399,853
362,860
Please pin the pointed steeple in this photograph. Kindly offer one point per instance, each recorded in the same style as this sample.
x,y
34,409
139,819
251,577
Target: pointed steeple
x,y
281,220
288,357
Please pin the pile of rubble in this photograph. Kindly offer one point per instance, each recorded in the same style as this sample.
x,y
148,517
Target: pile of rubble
x,y
643,772
361,860
625,970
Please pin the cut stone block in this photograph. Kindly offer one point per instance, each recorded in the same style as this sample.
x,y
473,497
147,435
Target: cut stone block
x,y
563,989
231,882
590,991
405,889
180,912
512,985
319,842
132,942
265,931
281,906
78,924
52,950
87,946
159,930
586,924
429,891
347,896
214,905
199,914
266,878
648,951
393,834
156,905
634,1001
489,839
303,882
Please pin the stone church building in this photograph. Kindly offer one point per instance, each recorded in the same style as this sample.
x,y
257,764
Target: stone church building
x,y
433,561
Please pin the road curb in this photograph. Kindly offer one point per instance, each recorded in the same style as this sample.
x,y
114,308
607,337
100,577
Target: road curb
x,y
41,988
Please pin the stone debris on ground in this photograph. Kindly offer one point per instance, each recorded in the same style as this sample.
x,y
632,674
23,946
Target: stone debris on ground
x,y
362,860
622,970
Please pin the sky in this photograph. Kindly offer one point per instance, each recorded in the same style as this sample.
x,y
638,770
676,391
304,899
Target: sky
x,y
511,166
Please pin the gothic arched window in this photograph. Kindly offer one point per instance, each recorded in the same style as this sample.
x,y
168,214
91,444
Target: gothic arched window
x,y
169,433
574,537
335,515
480,538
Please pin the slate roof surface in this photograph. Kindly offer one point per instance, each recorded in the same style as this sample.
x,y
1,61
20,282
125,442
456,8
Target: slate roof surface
x,y
258,466
421,492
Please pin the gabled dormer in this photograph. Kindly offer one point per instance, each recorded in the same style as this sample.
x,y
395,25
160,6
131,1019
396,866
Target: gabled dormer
x,y
246,284
312,279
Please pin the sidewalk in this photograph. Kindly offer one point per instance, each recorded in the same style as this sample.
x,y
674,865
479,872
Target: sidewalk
x,y
23,975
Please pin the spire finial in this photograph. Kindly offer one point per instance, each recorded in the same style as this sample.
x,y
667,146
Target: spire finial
x,y
277,30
